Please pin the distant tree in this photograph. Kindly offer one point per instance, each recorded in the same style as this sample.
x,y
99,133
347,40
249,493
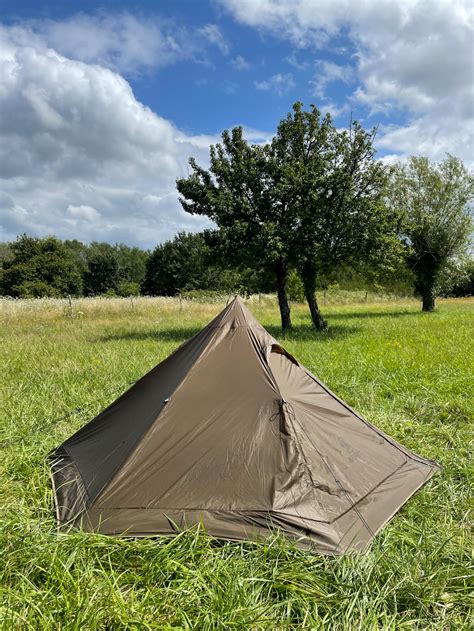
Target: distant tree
x,y
79,252
456,278
233,273
40,267
238,194
434,200
177,265
333,189
132,263
102,272
197,261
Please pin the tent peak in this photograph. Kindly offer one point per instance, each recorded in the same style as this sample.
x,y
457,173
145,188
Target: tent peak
x,y
236,314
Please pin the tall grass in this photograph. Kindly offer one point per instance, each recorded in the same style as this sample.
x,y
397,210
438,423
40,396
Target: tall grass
x,y
14,309
408,372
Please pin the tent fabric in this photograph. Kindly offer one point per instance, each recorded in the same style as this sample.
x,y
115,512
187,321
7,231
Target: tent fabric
x,y
231,432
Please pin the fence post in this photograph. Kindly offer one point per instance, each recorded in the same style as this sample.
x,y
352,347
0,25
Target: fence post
x,y
70,306
131,300
180,302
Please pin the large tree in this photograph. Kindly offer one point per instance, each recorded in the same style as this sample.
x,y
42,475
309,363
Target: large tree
x,y
334,188
312,199
434,199
238,194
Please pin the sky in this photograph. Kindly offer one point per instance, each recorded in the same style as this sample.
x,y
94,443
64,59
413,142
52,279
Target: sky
x,y
102,104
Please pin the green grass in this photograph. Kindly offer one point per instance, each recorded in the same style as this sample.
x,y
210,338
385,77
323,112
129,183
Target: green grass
x,y
406,371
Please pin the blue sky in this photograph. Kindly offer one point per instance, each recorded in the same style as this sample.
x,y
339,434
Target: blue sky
x,y
102,104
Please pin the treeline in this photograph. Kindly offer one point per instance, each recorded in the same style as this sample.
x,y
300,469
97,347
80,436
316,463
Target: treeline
x,y
48,267
189,264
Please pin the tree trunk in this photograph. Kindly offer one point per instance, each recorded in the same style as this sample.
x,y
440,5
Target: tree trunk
x,y
428,298
281,276
426,270
308,274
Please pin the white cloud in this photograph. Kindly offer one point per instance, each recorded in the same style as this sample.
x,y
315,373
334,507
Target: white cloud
x,y
119,41
412,57
240,63
213,34
87,213
80,157
293,60
332,108
279,83
126,43
328,72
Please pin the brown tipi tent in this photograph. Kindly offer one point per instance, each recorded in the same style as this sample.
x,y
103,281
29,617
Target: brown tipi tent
x,y
232,432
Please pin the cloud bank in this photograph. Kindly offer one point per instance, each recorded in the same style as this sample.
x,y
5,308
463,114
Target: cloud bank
x,y
412,58
80,156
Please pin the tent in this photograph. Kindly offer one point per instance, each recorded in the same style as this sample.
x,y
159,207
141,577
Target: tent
x,y
231,431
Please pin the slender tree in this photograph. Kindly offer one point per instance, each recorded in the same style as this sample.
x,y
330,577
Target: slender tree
x,y
437,222
334,187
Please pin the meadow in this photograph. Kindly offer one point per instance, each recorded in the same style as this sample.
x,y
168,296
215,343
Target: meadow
x,y
406,371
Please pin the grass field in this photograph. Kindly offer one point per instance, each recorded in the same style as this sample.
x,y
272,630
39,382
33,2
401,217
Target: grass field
x,y
406,371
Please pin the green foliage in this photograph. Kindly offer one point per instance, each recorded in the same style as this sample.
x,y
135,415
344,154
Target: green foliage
x,y
236,193
195,262
40,267
456,278
332,187
406,373
102,273
434,202
131,263
50,268
127,288
178,265
295,287
390,276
